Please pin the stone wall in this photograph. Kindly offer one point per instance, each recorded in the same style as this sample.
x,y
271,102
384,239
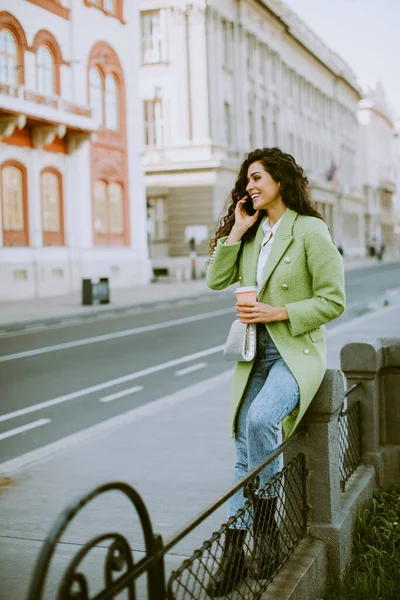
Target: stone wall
x,y
326,551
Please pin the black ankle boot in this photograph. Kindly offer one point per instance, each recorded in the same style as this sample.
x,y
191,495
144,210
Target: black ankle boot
x,y
266,538
232,568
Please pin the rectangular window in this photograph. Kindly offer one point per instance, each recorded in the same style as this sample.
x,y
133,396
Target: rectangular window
x,y
291,143
264,131
153,123
158,218
274,67
251,129
264,64
308,154
12,192
227,40
290,83
14,206
100,207
251,54
153,28
300,157
275,129
53,234
228,124
116,208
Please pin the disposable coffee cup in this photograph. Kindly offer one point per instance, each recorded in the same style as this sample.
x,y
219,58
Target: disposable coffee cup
x,y
246,294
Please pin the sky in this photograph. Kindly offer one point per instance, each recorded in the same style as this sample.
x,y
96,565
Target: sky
x,y
365,33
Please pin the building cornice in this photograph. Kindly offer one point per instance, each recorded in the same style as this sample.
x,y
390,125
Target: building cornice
x,y
379,111
304,36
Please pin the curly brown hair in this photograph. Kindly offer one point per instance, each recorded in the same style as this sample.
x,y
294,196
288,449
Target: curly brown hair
x,y
283,169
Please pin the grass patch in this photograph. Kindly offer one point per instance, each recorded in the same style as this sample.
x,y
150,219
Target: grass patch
x,y
374,573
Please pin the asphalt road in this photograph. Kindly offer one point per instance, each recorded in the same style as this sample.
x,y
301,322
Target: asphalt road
x,y
59,380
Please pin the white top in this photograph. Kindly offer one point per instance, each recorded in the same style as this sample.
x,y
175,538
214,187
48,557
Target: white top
x,y
266,245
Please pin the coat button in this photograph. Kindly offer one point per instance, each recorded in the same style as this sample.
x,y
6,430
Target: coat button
x,y
284,286
288,260
306,351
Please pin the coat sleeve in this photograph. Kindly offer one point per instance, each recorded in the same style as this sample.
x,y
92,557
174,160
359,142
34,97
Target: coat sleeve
x,y
325,266
223,269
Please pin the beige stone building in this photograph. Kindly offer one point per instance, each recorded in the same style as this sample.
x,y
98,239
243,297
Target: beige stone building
x,y
379,152
220,78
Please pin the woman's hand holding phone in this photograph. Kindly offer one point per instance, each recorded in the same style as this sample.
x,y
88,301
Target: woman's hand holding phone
x,y
243,221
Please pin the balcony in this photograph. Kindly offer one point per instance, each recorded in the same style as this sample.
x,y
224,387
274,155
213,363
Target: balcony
x,y
53,110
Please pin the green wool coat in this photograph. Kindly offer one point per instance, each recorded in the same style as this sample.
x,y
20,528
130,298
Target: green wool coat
x,y
304,272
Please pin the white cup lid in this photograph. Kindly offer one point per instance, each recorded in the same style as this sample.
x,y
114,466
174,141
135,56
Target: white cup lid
x,y
250,288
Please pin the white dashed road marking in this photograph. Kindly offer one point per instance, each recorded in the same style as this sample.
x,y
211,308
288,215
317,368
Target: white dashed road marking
x,y
121,394
191,369
24,428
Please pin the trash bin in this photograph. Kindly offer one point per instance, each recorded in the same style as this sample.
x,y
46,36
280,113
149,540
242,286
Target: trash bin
x,y
95,292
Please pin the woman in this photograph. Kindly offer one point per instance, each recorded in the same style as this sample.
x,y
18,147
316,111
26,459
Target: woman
x,y
285,250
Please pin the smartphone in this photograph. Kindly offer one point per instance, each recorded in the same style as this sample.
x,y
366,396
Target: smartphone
x,y
248,206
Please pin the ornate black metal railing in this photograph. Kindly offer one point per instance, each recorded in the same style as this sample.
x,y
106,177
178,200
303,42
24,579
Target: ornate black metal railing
x,y
274,518
349,438
273,521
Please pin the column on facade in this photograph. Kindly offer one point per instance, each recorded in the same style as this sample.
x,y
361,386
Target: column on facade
x,y
198,91
78,206
34,200
136,192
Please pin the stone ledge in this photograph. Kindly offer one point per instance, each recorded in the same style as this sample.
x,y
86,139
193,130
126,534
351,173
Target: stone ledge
x,y
338,536
304,576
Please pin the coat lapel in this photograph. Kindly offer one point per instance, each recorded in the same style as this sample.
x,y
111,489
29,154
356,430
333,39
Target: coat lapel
x,y
250,256
283,238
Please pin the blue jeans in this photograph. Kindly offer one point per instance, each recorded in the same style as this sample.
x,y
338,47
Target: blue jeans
x,y
270,395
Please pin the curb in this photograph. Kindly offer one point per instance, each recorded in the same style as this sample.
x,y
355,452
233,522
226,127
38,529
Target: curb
x,y
95,311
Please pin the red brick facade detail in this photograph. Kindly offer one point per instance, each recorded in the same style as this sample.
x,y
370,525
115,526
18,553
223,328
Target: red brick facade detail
x,y
53,6
100,6
109,151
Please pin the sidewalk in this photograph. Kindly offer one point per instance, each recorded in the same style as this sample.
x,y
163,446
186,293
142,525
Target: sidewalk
x,y
17,314
176,452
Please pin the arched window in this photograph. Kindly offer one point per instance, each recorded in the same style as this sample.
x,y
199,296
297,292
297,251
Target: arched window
x,y
111,103
8,57
52,208
116,204
109,211
45,71
96,94
100,207
106,96
14,207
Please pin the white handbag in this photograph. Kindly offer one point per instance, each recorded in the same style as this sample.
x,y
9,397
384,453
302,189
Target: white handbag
x,y
241,343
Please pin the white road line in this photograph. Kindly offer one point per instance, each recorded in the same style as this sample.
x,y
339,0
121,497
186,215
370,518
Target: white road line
x,y
23,428
128,392
191,369
110,383
33,327
116,335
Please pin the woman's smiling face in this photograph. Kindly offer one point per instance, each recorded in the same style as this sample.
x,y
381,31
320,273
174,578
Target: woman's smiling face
x,y
263,190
